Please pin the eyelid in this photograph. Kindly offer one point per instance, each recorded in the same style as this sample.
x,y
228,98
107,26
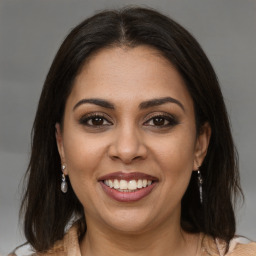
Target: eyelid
x,y
159,114
91,115
169,117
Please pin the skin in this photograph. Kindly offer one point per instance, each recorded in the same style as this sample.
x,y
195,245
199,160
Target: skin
x,y
130,139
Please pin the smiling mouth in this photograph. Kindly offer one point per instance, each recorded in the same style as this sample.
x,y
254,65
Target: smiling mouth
x,y
127,187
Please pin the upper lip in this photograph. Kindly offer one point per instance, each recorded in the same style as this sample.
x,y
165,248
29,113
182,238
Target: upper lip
x,y
127,176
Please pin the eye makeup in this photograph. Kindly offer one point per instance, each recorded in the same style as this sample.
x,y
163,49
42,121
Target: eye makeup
x,y
95,119
161,120
154,120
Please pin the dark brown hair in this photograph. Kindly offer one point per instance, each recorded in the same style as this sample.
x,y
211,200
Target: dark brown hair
x,y
46,210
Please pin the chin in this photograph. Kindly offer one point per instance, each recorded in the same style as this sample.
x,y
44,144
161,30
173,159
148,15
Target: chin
x,y
129,221
129,227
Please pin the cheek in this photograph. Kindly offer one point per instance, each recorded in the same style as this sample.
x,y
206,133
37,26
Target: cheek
x,y
83,154
83,158
178,148
175,156
82,150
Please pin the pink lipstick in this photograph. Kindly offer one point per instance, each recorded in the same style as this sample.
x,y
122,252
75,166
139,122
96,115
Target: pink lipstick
x,y
127,187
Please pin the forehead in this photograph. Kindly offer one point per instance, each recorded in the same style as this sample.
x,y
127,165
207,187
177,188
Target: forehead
x,y
122,74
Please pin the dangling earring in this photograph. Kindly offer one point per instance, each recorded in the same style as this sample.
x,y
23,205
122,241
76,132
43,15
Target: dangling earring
x,y
64,184
200,184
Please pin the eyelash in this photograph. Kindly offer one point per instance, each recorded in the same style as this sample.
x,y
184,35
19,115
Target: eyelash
x,y
90,117
170,119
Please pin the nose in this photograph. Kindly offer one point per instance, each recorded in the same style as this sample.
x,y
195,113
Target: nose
x,y
127,146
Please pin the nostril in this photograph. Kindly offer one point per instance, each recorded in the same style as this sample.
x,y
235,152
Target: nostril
x,y
127,148
137,157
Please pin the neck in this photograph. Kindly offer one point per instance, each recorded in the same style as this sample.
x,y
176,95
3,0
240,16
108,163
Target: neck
x,y
162,240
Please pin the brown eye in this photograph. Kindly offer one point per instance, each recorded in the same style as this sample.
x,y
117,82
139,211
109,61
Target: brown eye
x,y
161,121
97,120
94,121
158,121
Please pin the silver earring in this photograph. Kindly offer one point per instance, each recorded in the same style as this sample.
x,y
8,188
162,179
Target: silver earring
x,y
200,184
64,184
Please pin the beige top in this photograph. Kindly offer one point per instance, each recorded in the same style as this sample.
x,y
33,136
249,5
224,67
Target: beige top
x,y
69,246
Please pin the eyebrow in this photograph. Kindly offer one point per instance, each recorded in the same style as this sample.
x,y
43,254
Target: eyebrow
x,y
142,105
160,101
99,102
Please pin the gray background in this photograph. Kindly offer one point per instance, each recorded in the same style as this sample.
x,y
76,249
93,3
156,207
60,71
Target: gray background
x,y
31,32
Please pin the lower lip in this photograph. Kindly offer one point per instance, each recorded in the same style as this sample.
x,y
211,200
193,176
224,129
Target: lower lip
x,y
127,196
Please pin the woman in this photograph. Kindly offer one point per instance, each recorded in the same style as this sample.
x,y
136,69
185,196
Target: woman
x,y
132,146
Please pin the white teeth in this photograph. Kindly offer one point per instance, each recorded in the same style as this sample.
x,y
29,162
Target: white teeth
x,y
127,186
110,183
123,184
132,184
139,184
116,184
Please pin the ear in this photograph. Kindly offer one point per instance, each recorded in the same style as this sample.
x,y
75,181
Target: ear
x,y
59,141
202,144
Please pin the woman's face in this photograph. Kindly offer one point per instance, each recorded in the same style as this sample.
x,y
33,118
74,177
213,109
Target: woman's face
x,y
129,139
